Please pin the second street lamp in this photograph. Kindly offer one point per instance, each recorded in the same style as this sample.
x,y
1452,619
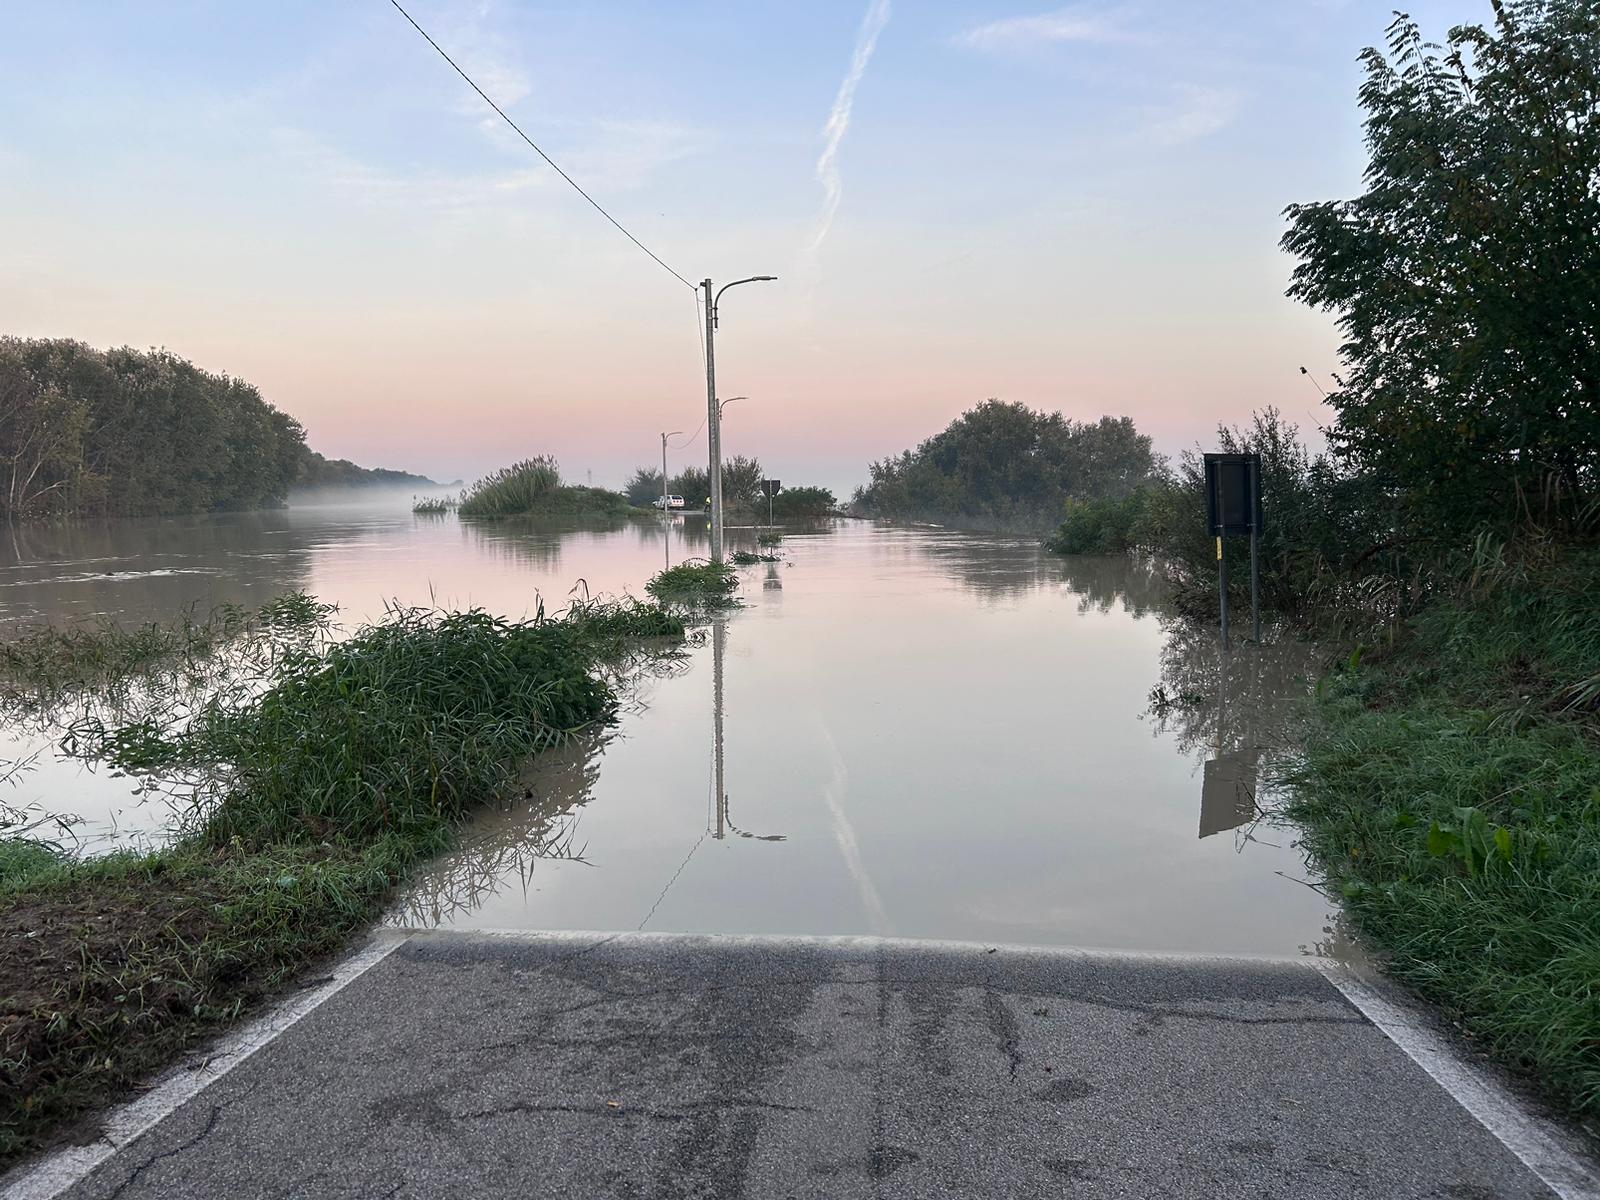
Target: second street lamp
x,y
714,409
664,438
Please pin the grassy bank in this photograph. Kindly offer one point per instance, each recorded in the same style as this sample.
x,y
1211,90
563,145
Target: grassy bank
x,y
312,800
1451,793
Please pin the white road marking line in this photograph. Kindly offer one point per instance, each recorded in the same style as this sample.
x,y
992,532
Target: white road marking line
x,y
1536,1141
61,1170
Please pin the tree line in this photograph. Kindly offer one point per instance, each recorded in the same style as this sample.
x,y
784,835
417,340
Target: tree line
x,y
87,432
122,432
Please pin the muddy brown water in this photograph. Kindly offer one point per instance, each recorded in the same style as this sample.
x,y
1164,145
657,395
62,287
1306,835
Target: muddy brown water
x,y
904,731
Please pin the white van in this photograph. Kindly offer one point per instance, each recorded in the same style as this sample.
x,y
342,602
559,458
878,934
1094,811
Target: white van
x,y
671,501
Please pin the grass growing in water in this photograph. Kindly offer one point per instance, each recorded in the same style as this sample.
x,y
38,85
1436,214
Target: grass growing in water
x,y
749,558
1451,793
701,583
355,763
533,487
768,539
432,506
41,665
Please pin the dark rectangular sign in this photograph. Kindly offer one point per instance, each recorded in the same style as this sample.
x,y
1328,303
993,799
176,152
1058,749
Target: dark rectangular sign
x,y
771,487
1233,493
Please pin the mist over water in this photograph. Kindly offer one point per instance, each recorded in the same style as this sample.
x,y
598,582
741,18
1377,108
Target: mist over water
x,y
913,732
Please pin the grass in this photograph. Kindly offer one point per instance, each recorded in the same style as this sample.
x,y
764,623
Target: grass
x,y
749,558
768,539
698,583
533,487
1451,794
356,763
432,506
42,665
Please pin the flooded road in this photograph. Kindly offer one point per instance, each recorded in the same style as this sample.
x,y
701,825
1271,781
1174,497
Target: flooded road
x,y
906,732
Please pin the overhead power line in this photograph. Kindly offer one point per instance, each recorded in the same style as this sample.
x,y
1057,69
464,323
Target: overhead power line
x,y
536,150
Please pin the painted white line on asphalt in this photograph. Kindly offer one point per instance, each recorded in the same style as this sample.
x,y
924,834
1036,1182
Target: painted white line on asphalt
x,y
864,942
61,1170
1532,1138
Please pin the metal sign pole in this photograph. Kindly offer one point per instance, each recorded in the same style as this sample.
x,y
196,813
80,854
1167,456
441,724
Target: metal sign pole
x,y
1255,551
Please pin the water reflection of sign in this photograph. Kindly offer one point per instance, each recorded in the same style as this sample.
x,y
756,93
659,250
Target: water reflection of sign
x,y
1228,795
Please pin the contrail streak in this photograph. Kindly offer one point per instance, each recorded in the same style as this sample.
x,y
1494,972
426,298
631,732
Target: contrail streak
x,y
839,119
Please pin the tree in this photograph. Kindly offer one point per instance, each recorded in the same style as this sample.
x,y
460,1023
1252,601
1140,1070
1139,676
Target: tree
x,y
741,483
798,503
693,484
1464,275
1004,465
643,487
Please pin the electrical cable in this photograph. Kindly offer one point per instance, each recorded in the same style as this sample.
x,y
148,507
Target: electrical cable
x,y
593,202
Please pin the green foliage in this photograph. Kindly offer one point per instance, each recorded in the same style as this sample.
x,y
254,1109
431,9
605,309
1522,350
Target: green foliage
x,y
801,504
433,506
741,484
749,558
696,583
770,538
1004,465
122,432
1109,525
533,487
694,485
1463,277
644,487
1451,793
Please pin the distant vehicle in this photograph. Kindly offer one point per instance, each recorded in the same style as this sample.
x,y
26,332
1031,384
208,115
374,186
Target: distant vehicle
x,y
671,501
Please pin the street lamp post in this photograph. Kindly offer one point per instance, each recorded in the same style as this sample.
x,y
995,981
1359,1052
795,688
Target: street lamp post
x,y
664,438
714,409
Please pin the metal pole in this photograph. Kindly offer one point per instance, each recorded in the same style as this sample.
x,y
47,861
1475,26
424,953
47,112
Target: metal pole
x,y
1255,554
663,478
1222,576
713,424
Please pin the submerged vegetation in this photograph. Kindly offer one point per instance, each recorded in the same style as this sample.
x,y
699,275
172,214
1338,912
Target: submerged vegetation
x,y
749,558
433,506
533,487
698,583
309,800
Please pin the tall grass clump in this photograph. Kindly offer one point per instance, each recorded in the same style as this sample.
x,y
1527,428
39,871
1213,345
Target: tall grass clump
x,y
700,583
533,487
1450,791
432,506
521,488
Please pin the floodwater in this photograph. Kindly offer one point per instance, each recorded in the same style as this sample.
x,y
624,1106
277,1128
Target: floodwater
x,y
903,731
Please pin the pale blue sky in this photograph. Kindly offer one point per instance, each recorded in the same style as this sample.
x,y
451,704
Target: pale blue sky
x,y
1077,207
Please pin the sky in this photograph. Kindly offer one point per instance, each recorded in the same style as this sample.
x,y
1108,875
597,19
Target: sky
x,y
1073,207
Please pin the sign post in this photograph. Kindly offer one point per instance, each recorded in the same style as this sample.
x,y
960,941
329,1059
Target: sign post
x,y
771,487
1233,506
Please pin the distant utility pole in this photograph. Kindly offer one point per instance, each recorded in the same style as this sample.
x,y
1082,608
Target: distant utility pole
x,y
713,409
664,438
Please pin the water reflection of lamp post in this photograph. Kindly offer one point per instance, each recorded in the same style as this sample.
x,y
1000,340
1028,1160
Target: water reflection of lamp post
x,y
713,409
719,633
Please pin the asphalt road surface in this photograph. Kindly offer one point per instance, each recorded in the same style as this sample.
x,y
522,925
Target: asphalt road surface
x,y
647,1066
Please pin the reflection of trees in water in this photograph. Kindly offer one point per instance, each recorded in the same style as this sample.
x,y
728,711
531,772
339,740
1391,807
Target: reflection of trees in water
x,y
993,568
1241,701
505,845
1102,582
